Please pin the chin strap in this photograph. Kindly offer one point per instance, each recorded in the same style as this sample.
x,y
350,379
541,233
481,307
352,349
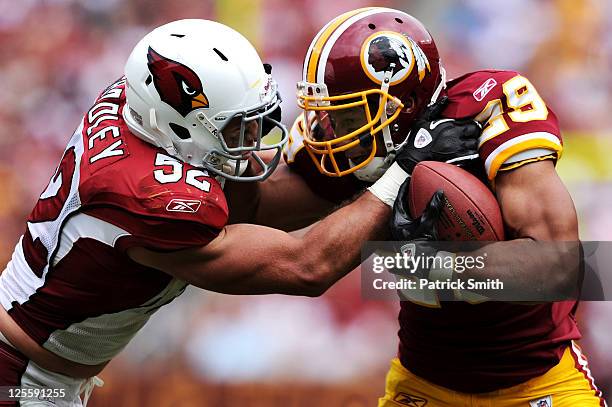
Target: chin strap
x,y
386,82
166,143
376,168
434,99
391,150
440,88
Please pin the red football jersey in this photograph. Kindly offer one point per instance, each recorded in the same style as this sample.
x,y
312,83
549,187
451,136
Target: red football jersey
x,y
488,346
70,284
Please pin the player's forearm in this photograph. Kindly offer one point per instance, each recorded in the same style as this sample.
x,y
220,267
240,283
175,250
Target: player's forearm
x,y
243,259
332,248
283,201
529,270
254,259
309,265
287,203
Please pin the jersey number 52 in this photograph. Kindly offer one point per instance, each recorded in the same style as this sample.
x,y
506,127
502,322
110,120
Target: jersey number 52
x,y
172,172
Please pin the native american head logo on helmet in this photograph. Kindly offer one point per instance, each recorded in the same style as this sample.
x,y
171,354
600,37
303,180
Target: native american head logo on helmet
x,y
389,51
384,51
379,65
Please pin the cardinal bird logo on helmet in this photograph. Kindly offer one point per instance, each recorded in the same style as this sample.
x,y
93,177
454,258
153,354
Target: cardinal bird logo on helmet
x,y
176,84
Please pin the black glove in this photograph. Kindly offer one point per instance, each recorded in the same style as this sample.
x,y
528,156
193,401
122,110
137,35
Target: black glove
x,y
434,139
404,227
416,236
276,114
422,248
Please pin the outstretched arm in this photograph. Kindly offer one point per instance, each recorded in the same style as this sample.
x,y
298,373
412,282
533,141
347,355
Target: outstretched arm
x,y
283,201
251,259
296,195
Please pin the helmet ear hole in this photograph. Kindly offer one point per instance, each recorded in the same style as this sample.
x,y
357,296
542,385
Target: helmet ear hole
x,y
410,104
180,131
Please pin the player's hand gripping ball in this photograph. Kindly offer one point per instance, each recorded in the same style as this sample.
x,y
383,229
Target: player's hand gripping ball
x,y
443,202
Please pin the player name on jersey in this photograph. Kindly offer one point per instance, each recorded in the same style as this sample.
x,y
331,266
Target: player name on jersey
x,y
70,284
105,142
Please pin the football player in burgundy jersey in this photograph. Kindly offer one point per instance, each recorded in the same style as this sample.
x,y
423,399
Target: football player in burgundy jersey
x,y
367,75
136,210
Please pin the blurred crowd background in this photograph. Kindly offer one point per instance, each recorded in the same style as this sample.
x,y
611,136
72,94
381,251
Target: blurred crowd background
x,y
207,349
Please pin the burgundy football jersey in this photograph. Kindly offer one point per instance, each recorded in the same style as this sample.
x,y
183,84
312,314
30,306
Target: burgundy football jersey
x,y
467,347
518,126
70,284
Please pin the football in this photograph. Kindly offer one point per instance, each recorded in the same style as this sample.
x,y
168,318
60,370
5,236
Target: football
x,y
471,211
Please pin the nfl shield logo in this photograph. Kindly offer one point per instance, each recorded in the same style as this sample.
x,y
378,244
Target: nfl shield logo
x,y
543,402
409,249
422,138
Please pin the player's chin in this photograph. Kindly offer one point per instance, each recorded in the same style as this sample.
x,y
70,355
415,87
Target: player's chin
x,y
357,158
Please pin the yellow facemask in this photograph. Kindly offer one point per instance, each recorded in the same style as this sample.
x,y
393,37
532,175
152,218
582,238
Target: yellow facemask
x,y
313,97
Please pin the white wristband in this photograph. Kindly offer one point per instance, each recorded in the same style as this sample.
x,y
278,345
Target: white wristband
x,y
387,186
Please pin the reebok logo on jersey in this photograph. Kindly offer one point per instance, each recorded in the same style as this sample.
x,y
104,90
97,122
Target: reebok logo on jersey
x,y
183,205
543,402
484,89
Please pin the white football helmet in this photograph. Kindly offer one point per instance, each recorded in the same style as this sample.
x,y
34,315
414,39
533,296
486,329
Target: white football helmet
x,y
186,81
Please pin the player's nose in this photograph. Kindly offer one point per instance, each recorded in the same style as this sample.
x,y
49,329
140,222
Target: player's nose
x,y
251,133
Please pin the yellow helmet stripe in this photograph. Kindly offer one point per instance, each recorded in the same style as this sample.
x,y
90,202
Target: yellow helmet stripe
x,y
322,40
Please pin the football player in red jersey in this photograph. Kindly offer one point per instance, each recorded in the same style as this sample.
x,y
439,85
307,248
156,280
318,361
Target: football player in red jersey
x,y
136,210
367,75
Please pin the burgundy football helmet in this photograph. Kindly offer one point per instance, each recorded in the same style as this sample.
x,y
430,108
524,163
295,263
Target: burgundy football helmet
x,y
377,59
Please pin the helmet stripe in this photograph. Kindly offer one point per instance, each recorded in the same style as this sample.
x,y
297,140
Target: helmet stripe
x,y
309,53
322,39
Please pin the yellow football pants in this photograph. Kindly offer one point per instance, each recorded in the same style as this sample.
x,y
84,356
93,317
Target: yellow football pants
x,y
568,384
